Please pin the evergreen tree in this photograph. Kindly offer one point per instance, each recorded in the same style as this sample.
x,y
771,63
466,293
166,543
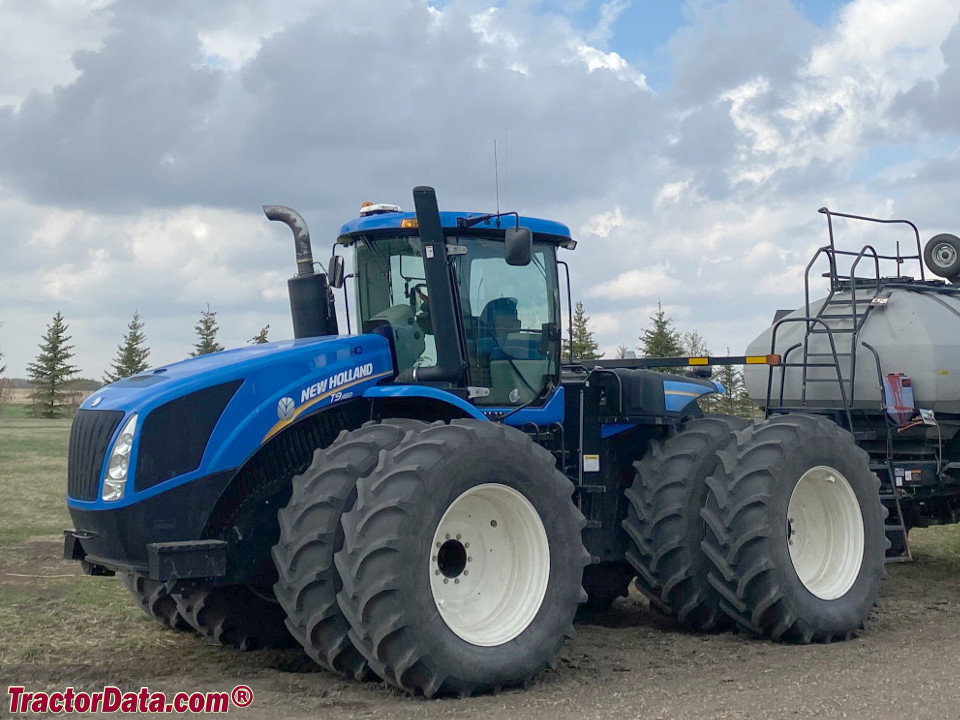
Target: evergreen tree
x,y
735,400
207,330
584,346
51,373
132,354
261,337
662,340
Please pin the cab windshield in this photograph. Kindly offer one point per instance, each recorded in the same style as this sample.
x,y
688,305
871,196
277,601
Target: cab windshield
x,y
510,314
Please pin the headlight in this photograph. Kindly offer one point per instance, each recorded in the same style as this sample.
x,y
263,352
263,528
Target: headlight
x,y
116,478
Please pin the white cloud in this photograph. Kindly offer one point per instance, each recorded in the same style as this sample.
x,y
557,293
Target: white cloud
x,y
132,175
638,283
602,224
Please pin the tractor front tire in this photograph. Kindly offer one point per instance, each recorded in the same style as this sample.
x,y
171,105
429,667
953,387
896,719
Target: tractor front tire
x,y
663,521
310,535
155,600
238,616
795,530
462,560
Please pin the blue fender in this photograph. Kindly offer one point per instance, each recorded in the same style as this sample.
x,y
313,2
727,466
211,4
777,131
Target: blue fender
x,y
426,392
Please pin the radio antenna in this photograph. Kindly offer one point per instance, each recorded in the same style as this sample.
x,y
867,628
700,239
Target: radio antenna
x,y
496,174
506,170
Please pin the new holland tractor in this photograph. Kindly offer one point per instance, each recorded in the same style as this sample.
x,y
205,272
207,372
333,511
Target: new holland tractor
x,y
430,501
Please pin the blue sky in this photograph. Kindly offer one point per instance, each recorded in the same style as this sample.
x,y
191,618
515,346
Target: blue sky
x,y
687,144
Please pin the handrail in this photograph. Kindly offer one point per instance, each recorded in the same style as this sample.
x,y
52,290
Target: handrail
x,y
898,257
833,351
857,322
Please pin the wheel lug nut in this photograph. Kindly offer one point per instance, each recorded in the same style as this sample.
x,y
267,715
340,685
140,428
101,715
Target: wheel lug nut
x,y
457,581
469,559
448,536
434,558
438,544
458,536
436,572
466,572
446,580
466,545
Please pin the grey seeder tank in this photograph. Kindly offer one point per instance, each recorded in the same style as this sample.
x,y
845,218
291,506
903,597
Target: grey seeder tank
x,y
916,332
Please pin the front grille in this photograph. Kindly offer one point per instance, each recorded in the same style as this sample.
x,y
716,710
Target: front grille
x,y
89,439
174,436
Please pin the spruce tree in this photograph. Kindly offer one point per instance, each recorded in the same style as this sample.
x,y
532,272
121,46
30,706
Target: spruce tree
x,y
261,337
132,354
661,340
51,373
584,346
735,400
207,330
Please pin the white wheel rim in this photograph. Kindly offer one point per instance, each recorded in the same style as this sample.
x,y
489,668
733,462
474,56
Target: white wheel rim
x,y
825,532
489,565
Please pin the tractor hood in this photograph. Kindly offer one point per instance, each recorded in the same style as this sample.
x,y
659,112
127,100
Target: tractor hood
x,y
229,403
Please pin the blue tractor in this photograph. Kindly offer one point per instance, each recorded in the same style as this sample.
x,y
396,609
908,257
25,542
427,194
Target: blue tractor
x,y
428,501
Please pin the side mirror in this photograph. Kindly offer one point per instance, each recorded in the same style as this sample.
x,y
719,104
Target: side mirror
x,y
335,272
518,246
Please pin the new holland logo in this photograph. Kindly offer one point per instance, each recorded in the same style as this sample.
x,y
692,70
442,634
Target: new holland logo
x,y
285,408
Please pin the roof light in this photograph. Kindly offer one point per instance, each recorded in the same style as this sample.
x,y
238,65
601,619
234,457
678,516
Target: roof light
x,y
369,208
409,223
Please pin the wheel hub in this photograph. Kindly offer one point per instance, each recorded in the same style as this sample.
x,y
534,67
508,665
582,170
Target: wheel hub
x,y
489,565
944,255
452,559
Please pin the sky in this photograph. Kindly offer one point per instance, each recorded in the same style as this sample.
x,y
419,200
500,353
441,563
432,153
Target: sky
x,y
688,146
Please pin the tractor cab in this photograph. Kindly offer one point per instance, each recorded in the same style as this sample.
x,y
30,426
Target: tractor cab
x,y
477,308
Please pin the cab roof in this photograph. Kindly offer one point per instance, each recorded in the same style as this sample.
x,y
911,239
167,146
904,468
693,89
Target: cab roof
x,y
543,230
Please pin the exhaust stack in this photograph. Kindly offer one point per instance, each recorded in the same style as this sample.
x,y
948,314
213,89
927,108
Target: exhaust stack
x,y
311,299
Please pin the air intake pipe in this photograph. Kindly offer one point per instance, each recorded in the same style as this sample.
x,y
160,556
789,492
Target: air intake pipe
x,y
311,299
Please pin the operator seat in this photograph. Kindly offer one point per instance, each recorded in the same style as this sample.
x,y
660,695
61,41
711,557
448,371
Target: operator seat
x,y
497,320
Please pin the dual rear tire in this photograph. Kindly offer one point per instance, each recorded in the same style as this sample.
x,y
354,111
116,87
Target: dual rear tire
x,y
457,557
775,527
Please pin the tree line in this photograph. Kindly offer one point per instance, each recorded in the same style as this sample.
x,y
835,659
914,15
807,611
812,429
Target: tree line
x,y
53,377
662,340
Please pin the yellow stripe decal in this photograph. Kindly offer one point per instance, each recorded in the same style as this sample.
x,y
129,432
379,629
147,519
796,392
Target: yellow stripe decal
x,y
698,361
299,411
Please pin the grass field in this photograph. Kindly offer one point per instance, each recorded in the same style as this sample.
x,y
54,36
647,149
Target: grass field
x,y
49,610
59,627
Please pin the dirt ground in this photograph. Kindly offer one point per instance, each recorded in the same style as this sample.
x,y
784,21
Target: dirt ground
x,y
630,662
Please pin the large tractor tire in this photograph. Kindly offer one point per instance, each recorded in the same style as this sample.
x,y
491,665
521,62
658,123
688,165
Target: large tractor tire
x,y
155,600
310,535
795,530
664,526
462,560
239,616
